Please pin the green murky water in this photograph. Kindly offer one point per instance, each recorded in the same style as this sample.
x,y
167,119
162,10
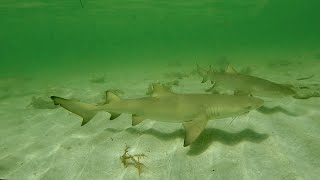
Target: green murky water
x,y
40,35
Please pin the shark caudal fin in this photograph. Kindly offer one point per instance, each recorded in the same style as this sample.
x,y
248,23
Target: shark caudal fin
x,y
85,110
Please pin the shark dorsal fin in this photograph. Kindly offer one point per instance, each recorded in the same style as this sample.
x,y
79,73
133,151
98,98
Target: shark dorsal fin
x,y
111,97
230,70
158,89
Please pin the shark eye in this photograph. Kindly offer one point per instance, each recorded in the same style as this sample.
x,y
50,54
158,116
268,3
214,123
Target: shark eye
x,y
248,107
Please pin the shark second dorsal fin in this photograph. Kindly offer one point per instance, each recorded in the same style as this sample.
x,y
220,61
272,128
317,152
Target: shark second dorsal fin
x,y
158,89
230,70
193,129
111,97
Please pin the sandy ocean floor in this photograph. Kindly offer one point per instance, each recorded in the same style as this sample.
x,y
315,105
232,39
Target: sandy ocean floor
x,y
41,141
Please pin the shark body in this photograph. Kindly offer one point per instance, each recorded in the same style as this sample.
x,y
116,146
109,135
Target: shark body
x,y
192,110
244,84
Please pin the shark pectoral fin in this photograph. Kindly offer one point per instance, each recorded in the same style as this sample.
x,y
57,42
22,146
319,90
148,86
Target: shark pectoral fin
x,y
193,129
137,119
86,111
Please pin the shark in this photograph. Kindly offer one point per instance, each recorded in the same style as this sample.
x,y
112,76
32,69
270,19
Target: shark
x,y
162,104
242,84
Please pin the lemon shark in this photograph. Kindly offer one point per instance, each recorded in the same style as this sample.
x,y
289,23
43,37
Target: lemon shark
x,y
244,84
192,110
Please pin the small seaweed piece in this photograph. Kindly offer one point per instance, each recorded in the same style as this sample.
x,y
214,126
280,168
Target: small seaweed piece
x,y
128,159
125,156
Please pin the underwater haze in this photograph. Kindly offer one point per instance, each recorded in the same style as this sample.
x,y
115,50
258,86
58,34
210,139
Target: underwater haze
x,y
40,35
78,50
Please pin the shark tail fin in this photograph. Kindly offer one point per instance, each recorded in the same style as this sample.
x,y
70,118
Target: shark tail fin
x,y
85,110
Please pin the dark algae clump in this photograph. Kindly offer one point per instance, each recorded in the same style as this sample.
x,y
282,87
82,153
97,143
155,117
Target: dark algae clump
x,y
128,159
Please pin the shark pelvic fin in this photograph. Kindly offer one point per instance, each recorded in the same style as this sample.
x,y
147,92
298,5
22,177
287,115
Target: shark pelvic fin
x,y
230,70
193,129
86,111
111,97
136,119
158,89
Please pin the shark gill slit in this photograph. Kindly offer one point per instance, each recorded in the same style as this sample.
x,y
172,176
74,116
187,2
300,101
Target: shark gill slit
x,y
213,111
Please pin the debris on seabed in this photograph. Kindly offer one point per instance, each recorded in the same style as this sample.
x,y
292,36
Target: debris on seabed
x,y
128,159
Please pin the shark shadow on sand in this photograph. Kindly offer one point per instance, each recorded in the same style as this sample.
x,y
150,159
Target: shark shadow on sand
x,y
211,135
206,138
